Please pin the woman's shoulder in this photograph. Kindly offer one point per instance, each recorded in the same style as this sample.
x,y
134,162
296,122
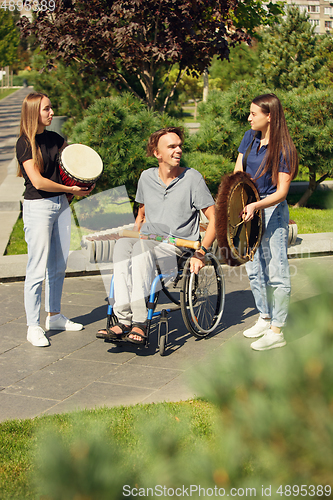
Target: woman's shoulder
x,y
22,146
250,135
52,137
22,140
247,140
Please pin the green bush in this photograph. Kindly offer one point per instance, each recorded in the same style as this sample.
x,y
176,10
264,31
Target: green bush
x,y
224,119
212,167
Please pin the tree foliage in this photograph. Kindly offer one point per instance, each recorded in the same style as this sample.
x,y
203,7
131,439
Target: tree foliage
x,y
242,64
70,91
9,38
132,41
291,55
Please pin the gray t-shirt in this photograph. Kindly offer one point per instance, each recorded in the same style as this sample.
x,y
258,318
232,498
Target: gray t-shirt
x,y
173,210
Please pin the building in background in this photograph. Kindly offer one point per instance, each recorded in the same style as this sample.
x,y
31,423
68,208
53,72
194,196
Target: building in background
x,y
320,12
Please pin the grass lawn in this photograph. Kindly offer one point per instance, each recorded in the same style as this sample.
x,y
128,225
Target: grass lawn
x,y
6,92
19,438
317,218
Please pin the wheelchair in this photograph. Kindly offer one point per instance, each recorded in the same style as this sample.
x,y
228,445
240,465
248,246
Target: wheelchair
x,y
201,300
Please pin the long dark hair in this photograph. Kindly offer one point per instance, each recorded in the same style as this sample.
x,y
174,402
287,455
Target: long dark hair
x,y
279,138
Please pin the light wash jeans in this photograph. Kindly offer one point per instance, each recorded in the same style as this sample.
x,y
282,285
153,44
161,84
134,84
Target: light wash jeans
x,y
269,271
134,270
47,226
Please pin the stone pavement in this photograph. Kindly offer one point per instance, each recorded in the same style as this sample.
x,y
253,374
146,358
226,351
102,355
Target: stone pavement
x,y
79,371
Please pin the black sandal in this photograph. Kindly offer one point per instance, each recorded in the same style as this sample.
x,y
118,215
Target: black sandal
x,y
110,335
143,335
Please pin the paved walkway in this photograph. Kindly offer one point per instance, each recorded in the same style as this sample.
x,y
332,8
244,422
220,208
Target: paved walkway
x,y
78,371
11,187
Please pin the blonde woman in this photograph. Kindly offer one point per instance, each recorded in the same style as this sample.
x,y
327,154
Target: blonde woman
x,y
46,217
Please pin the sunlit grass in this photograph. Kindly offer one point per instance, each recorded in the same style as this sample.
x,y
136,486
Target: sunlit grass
x,y
6,92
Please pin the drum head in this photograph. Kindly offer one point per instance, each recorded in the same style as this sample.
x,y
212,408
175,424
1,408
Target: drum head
x,y
238,241
81,162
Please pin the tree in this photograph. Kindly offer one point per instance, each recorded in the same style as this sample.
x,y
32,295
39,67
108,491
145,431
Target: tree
x,y
291,55
310,121
242,64
71,92
9,39
134,42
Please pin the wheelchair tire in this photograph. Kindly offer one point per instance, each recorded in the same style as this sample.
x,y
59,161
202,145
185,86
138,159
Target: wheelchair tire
x,y
162,345
202,297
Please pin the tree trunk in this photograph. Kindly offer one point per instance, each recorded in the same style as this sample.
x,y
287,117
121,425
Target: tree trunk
x,y
311,188
205,86
147,82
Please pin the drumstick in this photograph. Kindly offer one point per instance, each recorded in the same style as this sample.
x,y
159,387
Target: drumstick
x,y
179,242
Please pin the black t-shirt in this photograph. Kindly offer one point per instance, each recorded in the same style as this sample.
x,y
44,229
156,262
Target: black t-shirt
x,y
50,143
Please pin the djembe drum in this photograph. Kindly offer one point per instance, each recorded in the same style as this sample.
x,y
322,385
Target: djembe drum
x,y
79,165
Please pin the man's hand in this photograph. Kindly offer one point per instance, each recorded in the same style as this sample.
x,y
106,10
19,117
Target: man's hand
x,y
197,261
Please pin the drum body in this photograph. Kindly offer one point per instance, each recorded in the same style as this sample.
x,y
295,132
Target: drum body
x,y
79,165
237,241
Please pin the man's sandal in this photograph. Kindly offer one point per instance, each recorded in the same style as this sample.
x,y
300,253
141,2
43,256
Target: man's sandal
x,y
143,335
109,335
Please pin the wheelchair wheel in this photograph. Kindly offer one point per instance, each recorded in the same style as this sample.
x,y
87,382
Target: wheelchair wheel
x,y
163,330
162,345
202,297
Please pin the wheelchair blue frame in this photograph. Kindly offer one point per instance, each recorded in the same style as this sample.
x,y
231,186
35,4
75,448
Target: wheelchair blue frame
x,y
189,295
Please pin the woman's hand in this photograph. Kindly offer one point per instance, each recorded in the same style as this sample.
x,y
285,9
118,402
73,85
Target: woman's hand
x,y
248,212
81,191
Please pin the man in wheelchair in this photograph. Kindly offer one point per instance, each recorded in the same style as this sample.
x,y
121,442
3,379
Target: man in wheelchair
x,y
170,198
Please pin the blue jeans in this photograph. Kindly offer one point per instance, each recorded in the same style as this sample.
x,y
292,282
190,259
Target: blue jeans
x,y
47,225
269,271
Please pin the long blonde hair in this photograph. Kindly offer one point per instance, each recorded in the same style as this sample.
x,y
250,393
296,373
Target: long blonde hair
x,y
29,127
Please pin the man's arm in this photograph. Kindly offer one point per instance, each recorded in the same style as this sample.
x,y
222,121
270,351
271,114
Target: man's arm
x,y
140,218
198,259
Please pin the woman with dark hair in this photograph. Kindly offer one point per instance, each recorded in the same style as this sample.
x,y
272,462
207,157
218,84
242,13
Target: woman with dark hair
x,y
272,163
46,217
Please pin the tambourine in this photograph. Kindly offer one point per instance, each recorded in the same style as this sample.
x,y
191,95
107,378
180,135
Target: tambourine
x,y
79,165
237,240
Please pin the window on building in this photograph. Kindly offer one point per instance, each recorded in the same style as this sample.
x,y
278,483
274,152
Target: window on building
x,y
314,9
315,24
303,8
328,11
328,25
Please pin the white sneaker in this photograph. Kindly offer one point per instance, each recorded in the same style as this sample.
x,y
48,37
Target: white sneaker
x,y
62,323
36,336
257,330
269,340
